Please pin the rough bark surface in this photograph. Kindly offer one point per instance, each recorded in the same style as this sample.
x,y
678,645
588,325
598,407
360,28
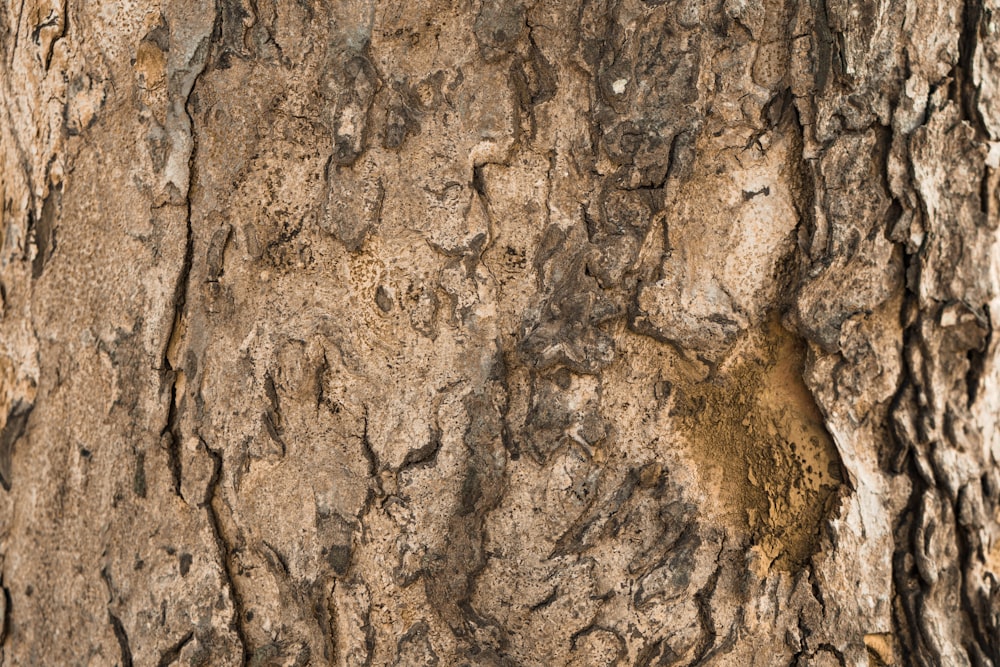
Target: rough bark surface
x,y
597,332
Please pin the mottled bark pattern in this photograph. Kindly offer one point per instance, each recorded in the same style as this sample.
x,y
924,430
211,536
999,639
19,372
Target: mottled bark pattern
x,y
593,332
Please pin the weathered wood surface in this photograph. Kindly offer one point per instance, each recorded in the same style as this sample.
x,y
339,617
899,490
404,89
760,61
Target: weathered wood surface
x,y
499,333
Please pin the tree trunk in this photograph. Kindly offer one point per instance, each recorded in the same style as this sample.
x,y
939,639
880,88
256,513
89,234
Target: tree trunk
x,y
609,332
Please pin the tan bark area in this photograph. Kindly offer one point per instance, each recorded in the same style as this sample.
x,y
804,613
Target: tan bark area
x,y
607,332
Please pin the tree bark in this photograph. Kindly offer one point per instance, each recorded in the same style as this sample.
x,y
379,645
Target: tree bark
x,y
608,332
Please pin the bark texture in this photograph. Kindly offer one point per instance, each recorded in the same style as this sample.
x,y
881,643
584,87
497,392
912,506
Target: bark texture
x,y
496,332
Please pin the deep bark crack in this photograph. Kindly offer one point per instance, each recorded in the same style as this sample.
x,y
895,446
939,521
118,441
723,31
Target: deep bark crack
x,y
225,550
122,637
703,599
173,427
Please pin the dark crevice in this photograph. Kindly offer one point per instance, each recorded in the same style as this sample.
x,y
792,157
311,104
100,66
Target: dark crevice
x,y
703,598
272,395
369,630
964,88
17,32
804,200
171,438
274,430
183,277
366,448
427,454
36,34
977,360
817,592
122,637
804,634
171,655
215,259
907,592
548,600
171,429
61,24
139,475
823,44
225,553
321,398
272,416
833,650
5,621
981,636
13,429
967,539
911,425
502,376
750,194
478,183
985,193
672,160
279,558
45,230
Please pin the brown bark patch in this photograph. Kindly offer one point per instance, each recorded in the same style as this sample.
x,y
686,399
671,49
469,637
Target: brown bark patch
x,y
756,434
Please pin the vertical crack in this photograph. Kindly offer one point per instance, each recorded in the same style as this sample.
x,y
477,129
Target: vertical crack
x,y
172,428
122,637
703,600
175,343
4,617
116,623
965,91
171,435
366,448
17,32
225,550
